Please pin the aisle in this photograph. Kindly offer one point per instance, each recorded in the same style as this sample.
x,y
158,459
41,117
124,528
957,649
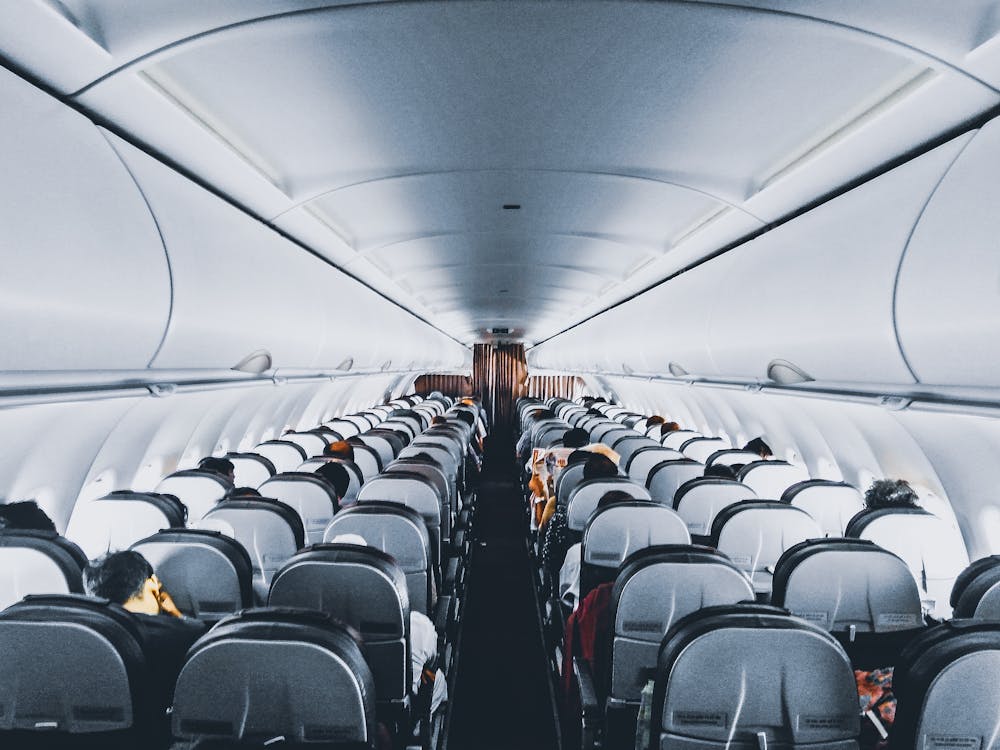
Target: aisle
x,y
501,699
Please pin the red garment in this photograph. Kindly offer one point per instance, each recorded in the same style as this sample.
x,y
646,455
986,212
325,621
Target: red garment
x,y
588,635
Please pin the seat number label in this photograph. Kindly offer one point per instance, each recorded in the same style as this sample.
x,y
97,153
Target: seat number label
x,y
951,742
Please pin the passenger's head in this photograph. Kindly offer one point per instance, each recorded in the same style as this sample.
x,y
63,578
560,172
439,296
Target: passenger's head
x,y
221,466
242,492
655,419
720,471
615,496
576,438
668,427
467,417
340,449
439,419
599,467
890,493
578,457
125,578
758,446
336,476
25,515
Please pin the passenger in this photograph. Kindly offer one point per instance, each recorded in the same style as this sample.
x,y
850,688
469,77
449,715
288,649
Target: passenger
x,y
525,442
654,420
423,645
546,470
758,446
340,449
337,477
439,419
667,427
241,492
721,471
221,466
576,438
127,578
890,493
25,515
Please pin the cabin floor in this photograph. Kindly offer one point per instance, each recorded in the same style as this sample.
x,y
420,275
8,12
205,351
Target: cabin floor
x,y
502,699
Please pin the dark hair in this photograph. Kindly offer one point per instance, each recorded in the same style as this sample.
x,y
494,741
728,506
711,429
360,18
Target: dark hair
x,y
467,417
599,466
221,466
576,438
578,457
423,458
668,427
758,446
612,497
25,515
720,470
118,576
439,419
890,493
655,419
340,449
336,475
242,492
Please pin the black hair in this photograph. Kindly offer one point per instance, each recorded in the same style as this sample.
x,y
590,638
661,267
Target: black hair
x,y
576,438
440,419
336,475
118,576
578,457
890,493
720,470
758,446
221,466
25,515
612,497
242,492
467,417
340,449
599,466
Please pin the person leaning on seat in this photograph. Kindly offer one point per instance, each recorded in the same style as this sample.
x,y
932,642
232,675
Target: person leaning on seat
x,y
127,578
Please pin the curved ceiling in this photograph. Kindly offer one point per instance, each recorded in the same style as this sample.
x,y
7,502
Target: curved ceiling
x,y
635,137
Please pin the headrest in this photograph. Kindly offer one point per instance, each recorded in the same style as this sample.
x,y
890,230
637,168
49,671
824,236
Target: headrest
x,y
251,468
584,498
395,529
775,679
619,530
976,592
771,478
699,500
115,521
245,511
38,562
732,457
832,504
846,585
345,427
198,490
677,438
664,479
318,688
700,448
311,442
645,458
412,490
283,454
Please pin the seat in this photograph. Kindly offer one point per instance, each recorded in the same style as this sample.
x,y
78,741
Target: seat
x,y
756,533
311,442
364,588
700,448
291,677
73,675
400,532
699,500
415,492
432,473
209,575
583,500
119,519
309,495
664,479
385,448
642,461
270,531
345,427
251,469
654,588
198,490
771,478
946,688
854,589
732,457
626,446
617,531
933,549
283,454
368,461
831,504
976,592
361,421
602,428
674,440
567,481
355,478
38,562
403,425
766,680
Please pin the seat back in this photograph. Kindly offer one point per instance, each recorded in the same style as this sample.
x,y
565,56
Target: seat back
x,y
368,461
208,574
617,531
250,469
642,461
932,548
354,476
346,427
627,445
976,592
601,428
567,481
583,500
699,500
756,533
831,504
270,531
198,490
700,448
772,478
664,479
292,674
38,562
776,681
432,473
398,531
674,440
285,455
309,495
732,457
396,438
847,586
117,520
654,588
414,492
72,667
364,588
381,444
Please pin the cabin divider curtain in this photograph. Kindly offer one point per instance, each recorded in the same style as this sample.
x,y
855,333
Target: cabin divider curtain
x,y
449,385
499,377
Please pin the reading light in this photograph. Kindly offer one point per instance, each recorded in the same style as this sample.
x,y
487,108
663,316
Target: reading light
x,y
256,362
346,365
677,371
783,372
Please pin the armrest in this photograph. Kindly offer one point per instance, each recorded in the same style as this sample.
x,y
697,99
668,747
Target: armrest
x,y
591,715
450,576
441,614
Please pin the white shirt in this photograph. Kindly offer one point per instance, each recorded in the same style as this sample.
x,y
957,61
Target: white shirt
x,y
423,648
569,577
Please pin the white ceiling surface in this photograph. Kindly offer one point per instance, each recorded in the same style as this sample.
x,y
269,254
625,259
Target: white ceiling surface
x,y
637,136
